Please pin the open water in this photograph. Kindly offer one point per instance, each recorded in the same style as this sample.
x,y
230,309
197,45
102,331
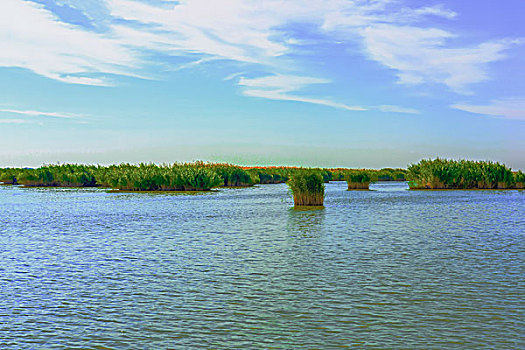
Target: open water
x,y
241,269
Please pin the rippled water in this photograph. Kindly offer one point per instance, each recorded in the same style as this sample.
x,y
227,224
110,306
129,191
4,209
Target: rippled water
x,y
240,268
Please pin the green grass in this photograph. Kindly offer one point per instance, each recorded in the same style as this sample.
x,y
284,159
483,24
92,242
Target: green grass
x,y
68,175
389,174
270,175
167,177
360,179
143,177
307,188
519,178
200,176
232,175
459,174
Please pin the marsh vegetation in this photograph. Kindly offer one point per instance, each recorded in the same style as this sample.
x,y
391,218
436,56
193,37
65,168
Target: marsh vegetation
x,y
200,176
462,174
307,188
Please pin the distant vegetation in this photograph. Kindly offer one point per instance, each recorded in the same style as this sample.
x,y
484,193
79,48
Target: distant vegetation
x,y
201,176
142,177
462,174
307,188
198,176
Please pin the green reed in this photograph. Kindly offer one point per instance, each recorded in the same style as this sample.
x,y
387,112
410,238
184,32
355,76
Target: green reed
x,y
459,174
360,179
307,188
519,178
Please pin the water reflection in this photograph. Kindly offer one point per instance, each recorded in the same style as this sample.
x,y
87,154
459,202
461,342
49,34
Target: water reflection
x,y
389,186
305,221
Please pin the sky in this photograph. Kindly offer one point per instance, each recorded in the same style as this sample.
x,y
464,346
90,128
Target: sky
x,y
332,83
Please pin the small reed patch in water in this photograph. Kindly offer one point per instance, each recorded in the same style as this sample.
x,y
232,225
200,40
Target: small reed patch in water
x,y
307,188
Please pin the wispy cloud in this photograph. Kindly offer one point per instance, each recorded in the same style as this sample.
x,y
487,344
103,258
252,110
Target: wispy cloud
x,y
509,108
397,109
13,121
31,113
247,32
286,88
33,38
282,87
422,56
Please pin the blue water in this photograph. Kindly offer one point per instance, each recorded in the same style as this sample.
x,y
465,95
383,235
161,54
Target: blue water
x,y
241,269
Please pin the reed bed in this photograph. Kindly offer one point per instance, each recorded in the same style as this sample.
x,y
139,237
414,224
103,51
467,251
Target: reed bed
x,y
519,178
270,175
389,174
166,177
68,175
459,174
233,176
307,188
340,174
143,177
360,179
200,176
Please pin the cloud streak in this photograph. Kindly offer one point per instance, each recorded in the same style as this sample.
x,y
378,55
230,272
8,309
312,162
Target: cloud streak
x,y
509,108
32,113
13,121
422,56
397,109
281,87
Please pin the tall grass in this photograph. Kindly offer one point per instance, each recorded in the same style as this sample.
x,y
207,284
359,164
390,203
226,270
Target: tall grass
x,y
360,179
233,176
143,177
431,174
68,175
340,174
307,188
9,175
167,177
459,174
519,178
389,174
270,175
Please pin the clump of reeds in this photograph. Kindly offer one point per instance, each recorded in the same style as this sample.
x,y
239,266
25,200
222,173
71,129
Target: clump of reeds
x,y
461,174
519,179
232,175
167,177
360,179
307,188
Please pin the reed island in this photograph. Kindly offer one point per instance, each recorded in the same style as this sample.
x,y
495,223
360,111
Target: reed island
x,y
306,184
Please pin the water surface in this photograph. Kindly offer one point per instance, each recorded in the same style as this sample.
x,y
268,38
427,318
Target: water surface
x,y
240,268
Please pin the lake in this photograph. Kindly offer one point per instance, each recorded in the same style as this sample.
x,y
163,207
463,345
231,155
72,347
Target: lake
x,y
241,269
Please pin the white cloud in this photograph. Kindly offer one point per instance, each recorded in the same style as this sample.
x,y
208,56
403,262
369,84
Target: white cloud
x,y
244,31
421,56
32,37
281,82
31,113
509,108
397,109
438,11
279,87
13,121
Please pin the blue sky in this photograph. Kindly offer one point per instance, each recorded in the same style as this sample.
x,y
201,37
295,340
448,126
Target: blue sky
x,y
316,83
